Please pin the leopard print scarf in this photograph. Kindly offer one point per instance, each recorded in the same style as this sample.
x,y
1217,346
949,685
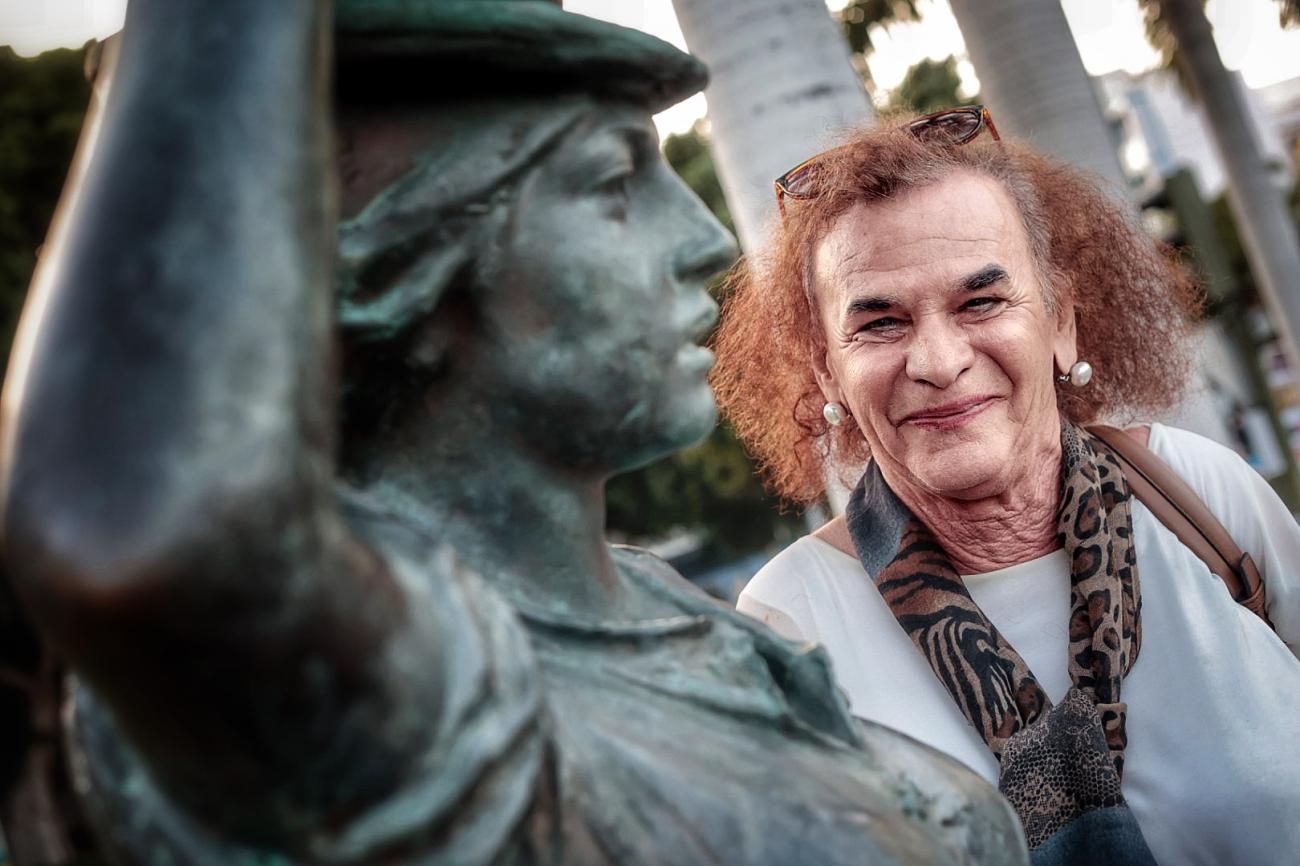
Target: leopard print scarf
x,y
1057,763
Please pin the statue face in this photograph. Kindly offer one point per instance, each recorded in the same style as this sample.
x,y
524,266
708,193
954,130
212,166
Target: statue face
x,y
594,300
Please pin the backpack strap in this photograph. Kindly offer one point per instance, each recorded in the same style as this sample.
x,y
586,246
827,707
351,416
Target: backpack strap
x,y
1184,514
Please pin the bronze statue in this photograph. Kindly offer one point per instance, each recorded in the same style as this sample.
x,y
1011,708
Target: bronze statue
x,y
371,618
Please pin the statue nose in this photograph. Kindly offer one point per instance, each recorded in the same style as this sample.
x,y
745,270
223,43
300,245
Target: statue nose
x,y
711,254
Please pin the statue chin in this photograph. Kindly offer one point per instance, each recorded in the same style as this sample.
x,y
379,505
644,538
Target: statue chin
x,y
693,417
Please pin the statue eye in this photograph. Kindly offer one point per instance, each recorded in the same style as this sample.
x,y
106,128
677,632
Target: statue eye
x,y
613,193
616,186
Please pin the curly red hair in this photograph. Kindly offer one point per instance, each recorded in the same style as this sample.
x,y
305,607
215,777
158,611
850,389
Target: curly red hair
x,y
1129,296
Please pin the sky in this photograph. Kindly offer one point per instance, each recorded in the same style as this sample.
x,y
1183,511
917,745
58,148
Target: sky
x,y
1108,32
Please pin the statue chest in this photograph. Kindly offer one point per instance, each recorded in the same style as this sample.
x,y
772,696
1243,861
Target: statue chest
x,y
684,749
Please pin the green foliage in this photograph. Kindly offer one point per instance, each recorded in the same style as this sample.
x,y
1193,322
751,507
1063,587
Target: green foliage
x,y
1226,225
859,16
1156,20
1288,13
1161,37
710,489
42,101
931,85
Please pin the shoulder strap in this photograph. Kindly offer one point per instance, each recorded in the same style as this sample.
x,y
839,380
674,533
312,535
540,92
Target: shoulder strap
x,y
1184,514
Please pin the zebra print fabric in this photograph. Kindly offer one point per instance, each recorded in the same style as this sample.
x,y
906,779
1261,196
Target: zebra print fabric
x,y
990,682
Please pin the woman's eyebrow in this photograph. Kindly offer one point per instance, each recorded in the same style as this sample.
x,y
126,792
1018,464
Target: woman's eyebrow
x,y
983,278
869,304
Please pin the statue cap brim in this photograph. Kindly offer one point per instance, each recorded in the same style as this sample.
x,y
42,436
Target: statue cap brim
x,y
437,46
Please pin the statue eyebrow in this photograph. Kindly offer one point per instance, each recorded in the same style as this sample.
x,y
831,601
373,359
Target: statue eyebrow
x,y
641,139
983,278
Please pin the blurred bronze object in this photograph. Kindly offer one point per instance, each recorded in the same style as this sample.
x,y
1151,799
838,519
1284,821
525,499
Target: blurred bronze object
x,y
371,618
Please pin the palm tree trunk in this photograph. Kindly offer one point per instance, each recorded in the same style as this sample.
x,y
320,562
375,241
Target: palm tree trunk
x,y
1267,230
782,86
1034,83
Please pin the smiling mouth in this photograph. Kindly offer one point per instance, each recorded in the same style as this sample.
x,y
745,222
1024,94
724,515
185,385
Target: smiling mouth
x,y
949,415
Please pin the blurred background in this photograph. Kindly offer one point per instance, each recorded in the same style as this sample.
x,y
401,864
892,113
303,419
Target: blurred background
x,y
1188,111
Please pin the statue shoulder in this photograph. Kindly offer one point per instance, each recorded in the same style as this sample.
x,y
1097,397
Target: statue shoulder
x,y
802,671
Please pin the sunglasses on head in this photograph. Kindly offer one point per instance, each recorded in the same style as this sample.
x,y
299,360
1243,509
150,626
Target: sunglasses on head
x,y
950,127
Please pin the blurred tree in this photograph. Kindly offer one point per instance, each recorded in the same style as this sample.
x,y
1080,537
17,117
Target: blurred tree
x,y
42,101
783,85
931,85
1182,33
1034,83
711,491
857,19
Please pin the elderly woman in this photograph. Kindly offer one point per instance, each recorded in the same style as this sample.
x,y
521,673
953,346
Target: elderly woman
x,y
414,647
954,309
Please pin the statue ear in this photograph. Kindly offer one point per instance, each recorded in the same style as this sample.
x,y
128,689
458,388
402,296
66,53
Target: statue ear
x,y
382,296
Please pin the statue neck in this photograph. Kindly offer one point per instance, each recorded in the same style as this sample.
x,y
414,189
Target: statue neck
x,y
531,529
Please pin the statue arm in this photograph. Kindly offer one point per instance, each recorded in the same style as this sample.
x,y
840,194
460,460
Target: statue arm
x,y
168,441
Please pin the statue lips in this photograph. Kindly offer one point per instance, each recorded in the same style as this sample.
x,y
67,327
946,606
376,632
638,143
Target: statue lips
x,y
692,356
950,416
695,359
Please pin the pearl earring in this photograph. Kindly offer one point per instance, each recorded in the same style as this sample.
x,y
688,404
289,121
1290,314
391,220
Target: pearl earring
x,y
834,414
1080,374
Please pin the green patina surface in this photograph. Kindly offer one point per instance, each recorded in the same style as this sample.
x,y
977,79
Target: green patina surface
x,y
392,632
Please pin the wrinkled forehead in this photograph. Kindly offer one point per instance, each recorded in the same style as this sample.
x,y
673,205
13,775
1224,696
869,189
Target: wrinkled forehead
x,y
921,232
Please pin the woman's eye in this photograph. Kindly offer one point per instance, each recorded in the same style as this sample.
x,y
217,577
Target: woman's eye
x,y
981,305
883,325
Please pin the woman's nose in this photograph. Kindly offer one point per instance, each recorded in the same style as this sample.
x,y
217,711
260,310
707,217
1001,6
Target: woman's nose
x,y
938,352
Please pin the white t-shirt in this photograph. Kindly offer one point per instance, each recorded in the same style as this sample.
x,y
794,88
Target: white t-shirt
x,y
1212,768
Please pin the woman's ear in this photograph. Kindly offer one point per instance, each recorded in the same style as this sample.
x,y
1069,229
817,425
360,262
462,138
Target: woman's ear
x,y
1065,348
822,372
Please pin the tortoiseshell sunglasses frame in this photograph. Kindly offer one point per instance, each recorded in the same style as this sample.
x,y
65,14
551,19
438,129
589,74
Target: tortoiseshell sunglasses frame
x,y
918,127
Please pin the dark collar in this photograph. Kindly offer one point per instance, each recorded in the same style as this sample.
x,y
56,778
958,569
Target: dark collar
x,y
875,518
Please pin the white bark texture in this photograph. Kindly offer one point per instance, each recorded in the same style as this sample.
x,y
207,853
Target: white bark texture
x,y
1033,81
782,87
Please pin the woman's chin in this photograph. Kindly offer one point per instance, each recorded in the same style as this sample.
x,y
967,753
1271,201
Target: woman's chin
x,y
964,473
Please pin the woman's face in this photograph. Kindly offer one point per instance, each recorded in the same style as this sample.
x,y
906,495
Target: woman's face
x,y
596,299
939,339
